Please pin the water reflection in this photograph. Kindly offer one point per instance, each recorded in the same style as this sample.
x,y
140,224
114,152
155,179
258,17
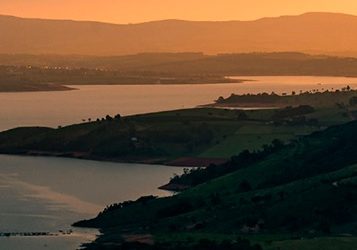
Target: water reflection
x,y
39,194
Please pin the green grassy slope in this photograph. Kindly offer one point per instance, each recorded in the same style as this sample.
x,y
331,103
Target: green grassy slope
x,y
306,189
165,136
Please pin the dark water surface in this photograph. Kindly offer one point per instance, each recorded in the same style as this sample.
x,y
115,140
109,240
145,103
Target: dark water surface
x,y
39,194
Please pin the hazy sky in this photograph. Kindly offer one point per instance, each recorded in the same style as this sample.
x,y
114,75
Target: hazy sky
x,y
125,11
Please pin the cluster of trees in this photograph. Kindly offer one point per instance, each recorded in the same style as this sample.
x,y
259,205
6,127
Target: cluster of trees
x,y
331,153
142,200
196,176
117,117
313,97
318,160
109,118
250,98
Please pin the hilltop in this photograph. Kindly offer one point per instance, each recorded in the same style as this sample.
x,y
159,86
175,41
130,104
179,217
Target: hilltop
x,y
327,33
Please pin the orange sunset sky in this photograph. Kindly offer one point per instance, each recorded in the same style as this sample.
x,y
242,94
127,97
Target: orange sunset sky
x,y
133,11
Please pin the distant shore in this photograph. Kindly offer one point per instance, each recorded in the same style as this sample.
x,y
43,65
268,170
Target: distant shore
x,y
18,88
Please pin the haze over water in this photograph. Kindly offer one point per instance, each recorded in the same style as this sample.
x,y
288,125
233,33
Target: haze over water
x,y
63,108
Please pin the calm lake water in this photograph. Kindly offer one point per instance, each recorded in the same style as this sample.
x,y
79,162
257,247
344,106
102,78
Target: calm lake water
x,y
39,194
61,108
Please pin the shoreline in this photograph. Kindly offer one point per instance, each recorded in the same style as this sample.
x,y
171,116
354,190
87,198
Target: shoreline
x,y
49,87
190,162
40,88
246,106
182,162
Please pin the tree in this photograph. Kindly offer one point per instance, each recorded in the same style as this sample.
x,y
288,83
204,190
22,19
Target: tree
x,y
109,118
220,99
117,117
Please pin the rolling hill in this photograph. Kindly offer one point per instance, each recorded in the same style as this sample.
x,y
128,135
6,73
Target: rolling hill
x,y
304,190
327,33
191,137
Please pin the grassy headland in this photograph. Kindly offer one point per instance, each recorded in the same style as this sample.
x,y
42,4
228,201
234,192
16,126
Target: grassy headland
x,y
302,195
191,137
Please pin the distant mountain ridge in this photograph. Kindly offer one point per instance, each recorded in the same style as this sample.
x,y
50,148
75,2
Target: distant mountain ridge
x,y
328,33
